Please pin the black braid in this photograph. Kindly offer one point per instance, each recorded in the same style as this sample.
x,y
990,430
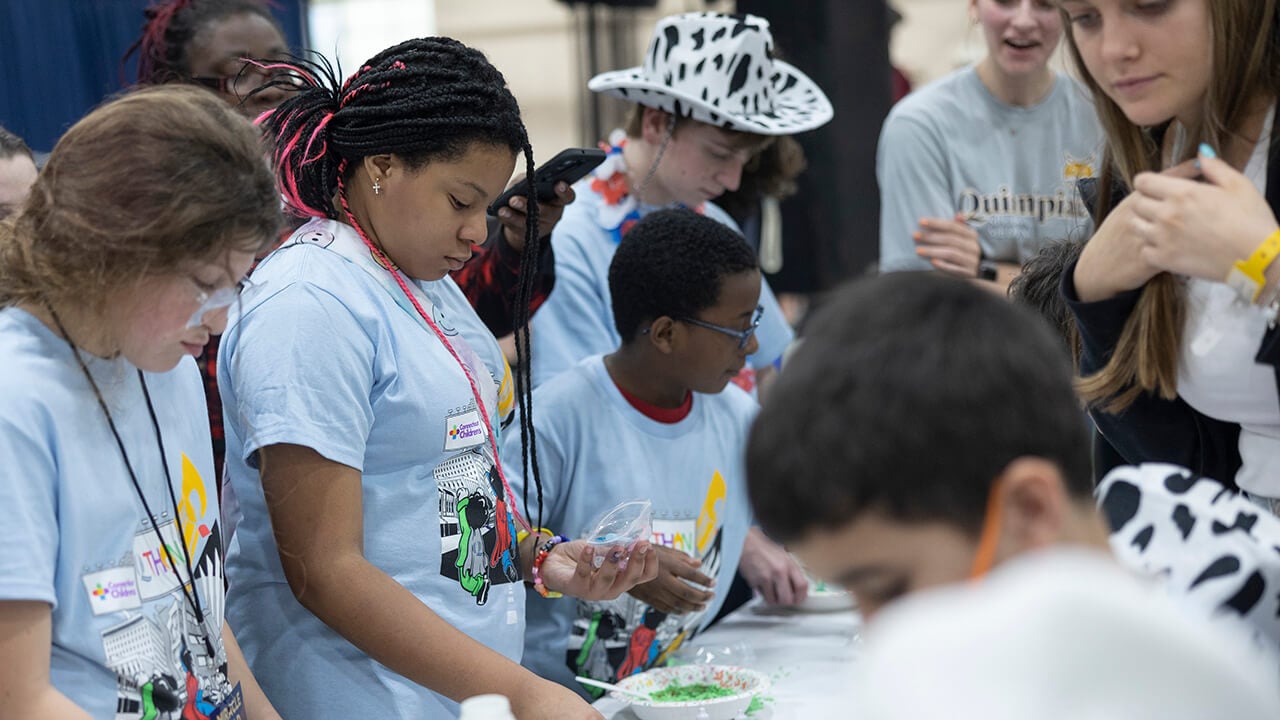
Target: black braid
x,y
524,369
422,100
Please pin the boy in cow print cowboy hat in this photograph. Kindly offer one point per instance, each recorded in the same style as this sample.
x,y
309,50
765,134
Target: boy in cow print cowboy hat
x,y
909,445
708,97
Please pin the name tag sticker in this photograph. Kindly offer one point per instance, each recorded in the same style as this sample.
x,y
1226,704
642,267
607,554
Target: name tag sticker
x,y
464,430
113,590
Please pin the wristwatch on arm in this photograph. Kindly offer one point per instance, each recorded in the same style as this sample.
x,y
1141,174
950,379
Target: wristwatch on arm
x,y
987,269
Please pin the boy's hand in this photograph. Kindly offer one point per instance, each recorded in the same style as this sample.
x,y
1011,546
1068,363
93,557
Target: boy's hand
x,y
671,591
771,571
512,215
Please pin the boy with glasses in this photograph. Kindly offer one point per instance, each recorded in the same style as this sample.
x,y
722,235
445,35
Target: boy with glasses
x,y
709,97
659,419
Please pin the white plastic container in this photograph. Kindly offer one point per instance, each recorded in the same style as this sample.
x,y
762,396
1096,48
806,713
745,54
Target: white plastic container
x,y
486,707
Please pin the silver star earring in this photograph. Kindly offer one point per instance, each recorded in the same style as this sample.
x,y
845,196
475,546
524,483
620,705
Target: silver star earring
x,y
377,189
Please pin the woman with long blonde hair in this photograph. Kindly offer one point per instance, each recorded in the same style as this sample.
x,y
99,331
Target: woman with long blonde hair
x,y
1176,294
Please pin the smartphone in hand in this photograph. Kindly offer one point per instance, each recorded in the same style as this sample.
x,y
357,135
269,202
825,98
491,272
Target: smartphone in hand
x,y
568,166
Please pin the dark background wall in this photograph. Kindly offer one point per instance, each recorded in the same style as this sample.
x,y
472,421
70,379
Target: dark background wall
x,y
59,58
831,226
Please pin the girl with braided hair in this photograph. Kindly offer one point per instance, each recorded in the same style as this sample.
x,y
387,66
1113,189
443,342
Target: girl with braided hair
x,y
361,394
230,47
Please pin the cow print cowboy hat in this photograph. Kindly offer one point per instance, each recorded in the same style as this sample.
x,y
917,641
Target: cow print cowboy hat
x,y
719,69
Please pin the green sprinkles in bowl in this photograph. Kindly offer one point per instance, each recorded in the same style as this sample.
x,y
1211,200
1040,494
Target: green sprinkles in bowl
x,y
691,693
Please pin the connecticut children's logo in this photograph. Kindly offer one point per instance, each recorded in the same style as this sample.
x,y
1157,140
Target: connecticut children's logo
x,y
464,431
116,590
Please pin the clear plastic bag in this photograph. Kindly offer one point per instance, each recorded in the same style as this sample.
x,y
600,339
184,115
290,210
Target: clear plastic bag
x,y
617,531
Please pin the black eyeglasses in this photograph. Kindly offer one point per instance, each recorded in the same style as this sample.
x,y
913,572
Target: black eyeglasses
x,y
743,336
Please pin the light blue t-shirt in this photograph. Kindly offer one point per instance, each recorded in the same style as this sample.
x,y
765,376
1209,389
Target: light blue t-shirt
x,y
459,315
951,147
320,355
595,450
576,320
73,532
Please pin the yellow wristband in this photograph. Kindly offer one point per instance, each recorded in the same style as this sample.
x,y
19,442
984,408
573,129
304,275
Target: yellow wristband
x,y
522,534
1247,277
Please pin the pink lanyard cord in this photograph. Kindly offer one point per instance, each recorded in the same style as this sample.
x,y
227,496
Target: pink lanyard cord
x,y
475,389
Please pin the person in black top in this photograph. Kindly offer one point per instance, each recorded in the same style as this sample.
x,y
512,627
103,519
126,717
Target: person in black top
x,y
1171,296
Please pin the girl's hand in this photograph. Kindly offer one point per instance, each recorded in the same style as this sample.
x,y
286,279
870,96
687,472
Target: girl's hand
x,y
571,569
950,245
1200,229
1113,261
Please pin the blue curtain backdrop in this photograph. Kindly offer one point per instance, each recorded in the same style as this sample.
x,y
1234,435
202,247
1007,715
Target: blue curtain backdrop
x,y
59,58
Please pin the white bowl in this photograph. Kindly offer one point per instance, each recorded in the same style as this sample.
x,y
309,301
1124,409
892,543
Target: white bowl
x,y
746,684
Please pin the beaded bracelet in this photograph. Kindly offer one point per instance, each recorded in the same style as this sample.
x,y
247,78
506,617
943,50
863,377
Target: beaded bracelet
x,y
543,552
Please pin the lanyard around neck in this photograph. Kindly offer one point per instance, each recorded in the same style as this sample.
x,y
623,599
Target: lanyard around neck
x,y
192,597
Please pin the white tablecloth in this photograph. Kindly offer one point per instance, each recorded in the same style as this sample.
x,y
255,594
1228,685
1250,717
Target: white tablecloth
x,y
807,655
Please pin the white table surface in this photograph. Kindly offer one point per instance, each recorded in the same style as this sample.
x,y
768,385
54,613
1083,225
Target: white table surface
x,y
808,656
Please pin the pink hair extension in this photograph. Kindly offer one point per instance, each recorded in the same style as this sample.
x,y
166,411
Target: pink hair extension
x,y
289,180
324,144
346,84
150,46
311,79
475,390
349,96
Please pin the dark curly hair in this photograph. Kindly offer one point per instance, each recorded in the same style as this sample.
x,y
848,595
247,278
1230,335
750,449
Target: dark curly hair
x,y
909,395
1039,287
422,100
672,263
164,47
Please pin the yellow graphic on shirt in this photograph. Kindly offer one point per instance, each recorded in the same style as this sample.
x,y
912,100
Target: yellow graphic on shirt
x,y
192,505
506,392
1076,168
707,524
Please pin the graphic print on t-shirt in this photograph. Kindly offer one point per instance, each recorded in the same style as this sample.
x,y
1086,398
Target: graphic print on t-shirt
x,y
158,650
477,529
1064,204
612,640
